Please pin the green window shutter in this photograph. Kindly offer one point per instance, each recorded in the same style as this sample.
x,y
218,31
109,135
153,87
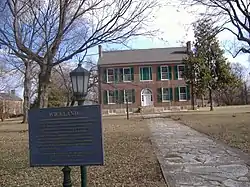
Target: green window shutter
x,y
159,95
121,96
177,93
105,97
169,72
116,71
176,72
170,94
116,92
159,73
133,95
120,74
132,73
104,77
188,92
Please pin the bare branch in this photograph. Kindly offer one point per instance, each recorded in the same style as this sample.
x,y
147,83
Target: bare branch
x,y
233,15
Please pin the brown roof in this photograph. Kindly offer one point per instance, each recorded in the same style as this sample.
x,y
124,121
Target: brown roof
x,y
173,54
6,96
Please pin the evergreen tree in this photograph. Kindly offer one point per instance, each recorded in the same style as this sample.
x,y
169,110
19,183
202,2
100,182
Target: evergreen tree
x,y
207,66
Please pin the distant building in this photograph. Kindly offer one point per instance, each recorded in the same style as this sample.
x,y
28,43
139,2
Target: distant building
x,y
148,78
10,104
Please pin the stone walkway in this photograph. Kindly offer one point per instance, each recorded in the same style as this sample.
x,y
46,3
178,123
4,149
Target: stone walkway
x,y
189,158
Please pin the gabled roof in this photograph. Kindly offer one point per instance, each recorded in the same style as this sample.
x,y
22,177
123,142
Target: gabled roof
x,y
173,54
10,97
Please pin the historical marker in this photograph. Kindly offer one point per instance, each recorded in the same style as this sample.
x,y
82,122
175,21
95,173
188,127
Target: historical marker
x,y
69,136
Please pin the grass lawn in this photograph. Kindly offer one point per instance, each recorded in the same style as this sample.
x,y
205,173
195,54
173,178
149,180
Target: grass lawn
x,y
129,159
230,126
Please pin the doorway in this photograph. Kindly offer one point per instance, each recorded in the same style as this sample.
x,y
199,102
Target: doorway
x,y
146,97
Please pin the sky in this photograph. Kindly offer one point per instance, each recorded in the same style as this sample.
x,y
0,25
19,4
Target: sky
x,y
175,26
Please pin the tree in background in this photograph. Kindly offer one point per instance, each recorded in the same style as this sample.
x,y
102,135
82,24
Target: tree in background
x,y
207,66
51,32
9,76
60,89
231,15
231,94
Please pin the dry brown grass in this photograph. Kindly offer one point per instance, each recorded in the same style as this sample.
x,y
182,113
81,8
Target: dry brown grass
x,y
129,159
230,127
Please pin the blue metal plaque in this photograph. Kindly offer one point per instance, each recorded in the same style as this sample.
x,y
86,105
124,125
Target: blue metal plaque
x,y
66,136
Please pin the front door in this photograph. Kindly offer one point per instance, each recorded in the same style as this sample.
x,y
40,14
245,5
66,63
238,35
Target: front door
x,y
146,97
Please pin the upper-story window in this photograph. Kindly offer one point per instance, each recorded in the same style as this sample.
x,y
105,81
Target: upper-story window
x,y
146,73
127,75
164,73
180,69
110,75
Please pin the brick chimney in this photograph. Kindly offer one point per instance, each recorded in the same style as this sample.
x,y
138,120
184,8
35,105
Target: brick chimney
x,y
100,51
189,47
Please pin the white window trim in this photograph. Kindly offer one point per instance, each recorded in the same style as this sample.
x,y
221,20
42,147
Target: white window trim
x,y
124,74
108,98
124,96
112,111
140,73
130,110
107,76
180,93
161,72
179,72
164,101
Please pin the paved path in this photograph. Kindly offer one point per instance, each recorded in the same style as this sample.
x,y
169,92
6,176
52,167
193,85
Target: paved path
x,y
191,159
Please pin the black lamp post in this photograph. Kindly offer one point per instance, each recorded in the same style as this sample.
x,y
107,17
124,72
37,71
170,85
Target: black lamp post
x,y
126,99
80,80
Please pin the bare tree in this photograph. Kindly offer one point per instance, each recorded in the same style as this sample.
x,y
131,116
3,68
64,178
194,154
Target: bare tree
x,y
233,93
61,79
28,71
53,31
9,76
233,16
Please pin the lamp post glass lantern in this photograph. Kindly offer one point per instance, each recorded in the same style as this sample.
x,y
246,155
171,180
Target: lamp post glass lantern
x,y
80,79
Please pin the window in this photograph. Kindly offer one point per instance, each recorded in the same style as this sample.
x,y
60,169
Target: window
x,y
165,94
145,73
180,71
127,74
111,97
110,75
182,93
129,95
164,73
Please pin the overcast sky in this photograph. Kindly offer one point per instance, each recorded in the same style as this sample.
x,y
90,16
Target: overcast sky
x,y
175,26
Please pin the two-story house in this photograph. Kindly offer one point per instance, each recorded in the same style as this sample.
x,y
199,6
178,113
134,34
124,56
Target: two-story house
x,y
146,77
10,105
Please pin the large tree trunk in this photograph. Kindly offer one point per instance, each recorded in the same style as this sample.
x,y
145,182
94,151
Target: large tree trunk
x,y
202,100
26,91
211,100
43,86
245,93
